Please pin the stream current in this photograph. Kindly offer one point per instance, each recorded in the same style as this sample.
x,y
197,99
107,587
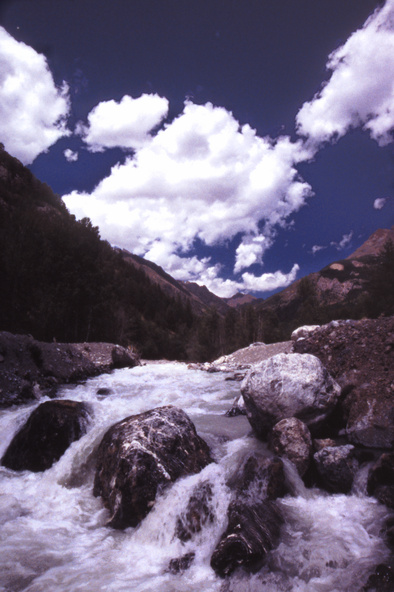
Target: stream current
x,y
53,533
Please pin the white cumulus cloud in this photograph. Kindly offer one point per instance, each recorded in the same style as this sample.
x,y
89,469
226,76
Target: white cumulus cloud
x,y
379,203
33,110
360,91
125,124
204,177
70,155
249,283
250,251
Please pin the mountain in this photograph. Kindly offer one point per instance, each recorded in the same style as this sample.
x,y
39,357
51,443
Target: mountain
x,y
199,297
60,281
240,299
362,285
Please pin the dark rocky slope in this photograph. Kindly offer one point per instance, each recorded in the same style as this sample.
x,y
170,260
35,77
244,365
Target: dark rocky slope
x,y
29,367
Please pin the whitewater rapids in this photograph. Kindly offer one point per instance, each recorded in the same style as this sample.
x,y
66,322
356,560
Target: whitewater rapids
x,y
54,536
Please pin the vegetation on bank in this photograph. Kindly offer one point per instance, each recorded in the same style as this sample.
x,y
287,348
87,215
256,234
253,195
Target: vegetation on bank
x,y
59,280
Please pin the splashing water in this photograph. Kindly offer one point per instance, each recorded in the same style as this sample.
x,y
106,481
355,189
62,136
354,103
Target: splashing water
x,y
53,530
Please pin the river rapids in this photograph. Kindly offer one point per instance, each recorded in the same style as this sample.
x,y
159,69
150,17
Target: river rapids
x,y
53,530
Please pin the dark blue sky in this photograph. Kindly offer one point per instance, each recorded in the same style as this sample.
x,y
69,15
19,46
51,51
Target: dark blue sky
x,y
260,60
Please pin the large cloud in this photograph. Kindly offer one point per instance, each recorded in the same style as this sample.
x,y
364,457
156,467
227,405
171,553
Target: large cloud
x,y
361,88
33,110
200,177
125,124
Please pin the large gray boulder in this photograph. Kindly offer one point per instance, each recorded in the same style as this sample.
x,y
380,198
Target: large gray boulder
x,y
288,385
291,438
46,435
140,455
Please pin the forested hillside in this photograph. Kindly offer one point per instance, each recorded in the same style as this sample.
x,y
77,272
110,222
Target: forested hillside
x,y
59,280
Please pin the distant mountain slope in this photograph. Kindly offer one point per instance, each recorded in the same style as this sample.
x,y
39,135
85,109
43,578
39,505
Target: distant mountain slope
x,y
200,298
374,244
240,299
342,289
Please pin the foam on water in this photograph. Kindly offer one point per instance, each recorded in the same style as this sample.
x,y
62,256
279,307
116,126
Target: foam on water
x,y
53,530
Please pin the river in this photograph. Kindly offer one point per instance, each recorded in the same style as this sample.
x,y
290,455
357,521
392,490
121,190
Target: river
x,y
54,536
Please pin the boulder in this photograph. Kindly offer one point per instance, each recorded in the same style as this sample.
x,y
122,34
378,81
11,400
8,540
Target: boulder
x,y
291,438
371,418
199,511
289,385
336,467
253,530
140,455
381,480
123,357
360,356
261,477
254,519
303,332
46,435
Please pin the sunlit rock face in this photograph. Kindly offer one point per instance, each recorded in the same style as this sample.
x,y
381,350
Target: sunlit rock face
x,y
291,438
46,435
289,385
140,455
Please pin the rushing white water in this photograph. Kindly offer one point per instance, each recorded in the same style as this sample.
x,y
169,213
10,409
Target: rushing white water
x,y
53,530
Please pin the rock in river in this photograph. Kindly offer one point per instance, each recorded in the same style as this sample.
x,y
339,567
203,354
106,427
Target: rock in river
x,y
46,435
291,438
289,385
140,455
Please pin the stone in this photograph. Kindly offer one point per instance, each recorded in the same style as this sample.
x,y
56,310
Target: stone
x,y
303,332
336,467
289,385
253,530
46,435
254,519
360,357
199,511
142,454
371,419
381,480
181,564
123,358
291,438
237,408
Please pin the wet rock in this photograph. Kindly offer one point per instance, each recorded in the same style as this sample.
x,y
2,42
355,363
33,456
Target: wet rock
x,y
289,385
381,480
104,392
336,467
123,357
237,408
291,438
140,455
253,530
380,581
47,434
254,519
181,564
199,511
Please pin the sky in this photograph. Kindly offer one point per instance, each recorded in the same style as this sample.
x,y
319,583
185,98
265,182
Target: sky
x,y
240,144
